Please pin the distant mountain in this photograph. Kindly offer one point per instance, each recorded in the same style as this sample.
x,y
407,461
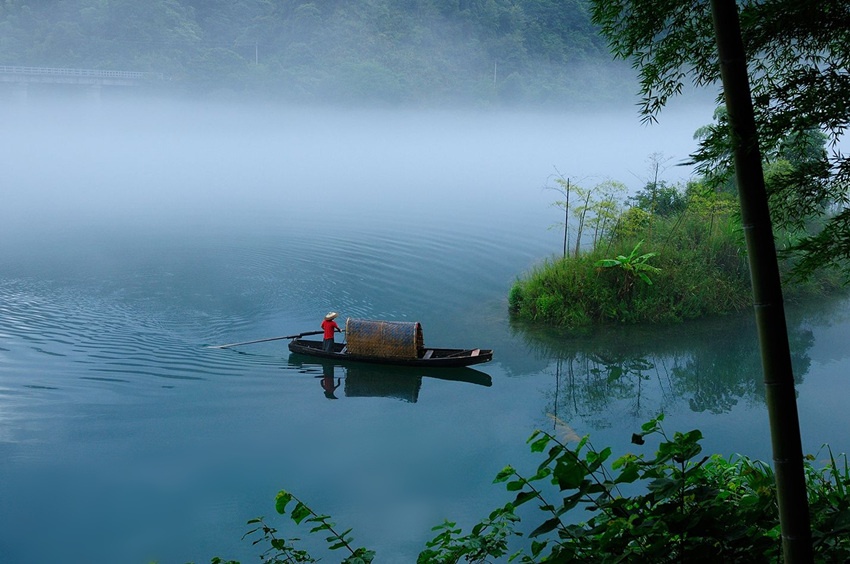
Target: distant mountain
x,y
420,52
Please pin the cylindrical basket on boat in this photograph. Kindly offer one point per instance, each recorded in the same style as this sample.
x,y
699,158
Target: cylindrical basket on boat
x,y
386,339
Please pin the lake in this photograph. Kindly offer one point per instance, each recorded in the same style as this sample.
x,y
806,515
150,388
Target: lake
x,y
132,237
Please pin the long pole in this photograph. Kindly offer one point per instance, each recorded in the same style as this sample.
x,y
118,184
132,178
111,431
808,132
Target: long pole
x,y
298,336
567,218
780,395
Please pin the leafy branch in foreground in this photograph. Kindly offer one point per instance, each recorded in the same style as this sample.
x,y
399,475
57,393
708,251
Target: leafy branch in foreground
x,y
488,539
279,552
677,505
336,540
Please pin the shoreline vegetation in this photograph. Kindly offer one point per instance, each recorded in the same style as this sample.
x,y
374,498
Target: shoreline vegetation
x,y
669,254
674,505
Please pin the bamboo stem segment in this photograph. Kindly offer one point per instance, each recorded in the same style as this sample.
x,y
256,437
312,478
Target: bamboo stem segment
x,y
780,394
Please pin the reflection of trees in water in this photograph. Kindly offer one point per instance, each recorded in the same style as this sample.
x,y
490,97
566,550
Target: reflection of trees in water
x,y
588,383
727,368
711,365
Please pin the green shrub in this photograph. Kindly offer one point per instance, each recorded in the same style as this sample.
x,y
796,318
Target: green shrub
x,y
690,265
676,505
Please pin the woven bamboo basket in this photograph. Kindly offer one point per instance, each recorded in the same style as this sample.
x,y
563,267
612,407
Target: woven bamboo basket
x,y
385,339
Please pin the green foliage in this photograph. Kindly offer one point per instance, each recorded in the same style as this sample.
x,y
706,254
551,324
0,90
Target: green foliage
x,y
661,199
283,551
633,223
488,539
279,551
699,262
675,505
798,60
564,292
697,268
694,508
633,267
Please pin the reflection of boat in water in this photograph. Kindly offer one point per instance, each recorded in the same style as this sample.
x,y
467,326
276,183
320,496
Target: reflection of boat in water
x,y
398,343
374,380
371,382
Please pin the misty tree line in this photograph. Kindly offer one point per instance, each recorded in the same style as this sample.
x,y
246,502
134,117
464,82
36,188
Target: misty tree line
x,y
382,51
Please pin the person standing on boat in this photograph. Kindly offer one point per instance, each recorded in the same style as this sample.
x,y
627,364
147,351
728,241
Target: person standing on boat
x,y
330,327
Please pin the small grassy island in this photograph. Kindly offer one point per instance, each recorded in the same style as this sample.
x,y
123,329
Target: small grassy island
x,y
668,254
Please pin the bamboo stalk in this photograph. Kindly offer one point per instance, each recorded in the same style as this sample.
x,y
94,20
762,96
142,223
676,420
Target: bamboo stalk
x,y
767,291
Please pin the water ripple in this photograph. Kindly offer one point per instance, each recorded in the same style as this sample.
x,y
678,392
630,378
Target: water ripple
x,y
96,334
146,312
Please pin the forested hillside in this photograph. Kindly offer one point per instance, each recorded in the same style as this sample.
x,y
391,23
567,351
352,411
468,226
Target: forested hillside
x,y
423,52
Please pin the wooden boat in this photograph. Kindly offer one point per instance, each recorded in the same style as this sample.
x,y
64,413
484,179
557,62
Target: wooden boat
x,y
430,357
389,342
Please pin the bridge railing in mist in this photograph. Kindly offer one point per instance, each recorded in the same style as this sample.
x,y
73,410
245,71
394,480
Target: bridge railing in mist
x,y
25,73
20,78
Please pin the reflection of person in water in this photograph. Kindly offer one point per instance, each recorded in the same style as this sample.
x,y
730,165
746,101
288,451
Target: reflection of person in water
x,y
328,381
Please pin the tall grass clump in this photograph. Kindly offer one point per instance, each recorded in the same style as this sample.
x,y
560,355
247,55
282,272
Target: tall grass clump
x,y
542,296
675,253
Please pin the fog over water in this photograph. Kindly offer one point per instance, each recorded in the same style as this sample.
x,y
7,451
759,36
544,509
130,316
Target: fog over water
x,y
207,163
132,235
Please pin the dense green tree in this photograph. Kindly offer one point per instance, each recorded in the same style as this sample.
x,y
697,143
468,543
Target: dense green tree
x,y
660,198
363,51
799,55
797,82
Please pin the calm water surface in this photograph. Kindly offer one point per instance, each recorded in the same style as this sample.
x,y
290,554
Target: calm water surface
x,y
129,244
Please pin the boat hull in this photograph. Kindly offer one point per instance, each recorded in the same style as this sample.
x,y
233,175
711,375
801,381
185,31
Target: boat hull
x,y
434,358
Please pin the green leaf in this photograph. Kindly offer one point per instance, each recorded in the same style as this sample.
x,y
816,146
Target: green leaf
x,y
663,486
628,475
300,512
539,445
652,425
522,497
569,476
594,459
546,527
542,472
504,474
537,547
515,486
281,501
